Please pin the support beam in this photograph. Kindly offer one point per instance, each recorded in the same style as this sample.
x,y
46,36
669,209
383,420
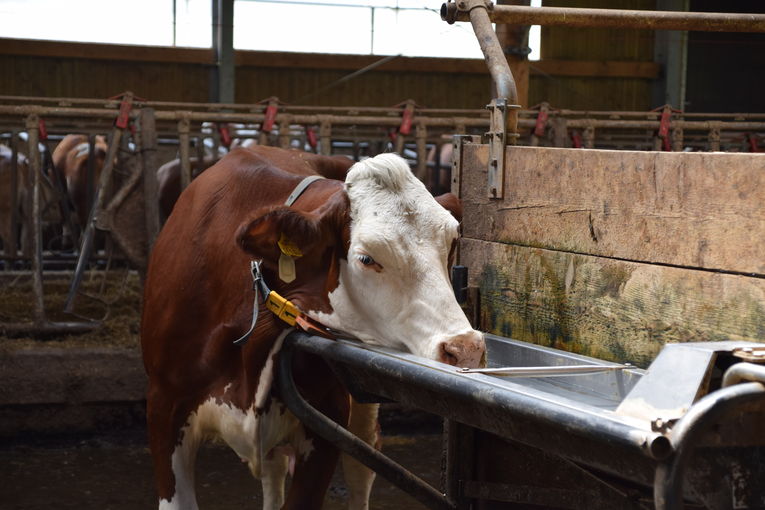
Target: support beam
x,y
223,48
514,40
671,53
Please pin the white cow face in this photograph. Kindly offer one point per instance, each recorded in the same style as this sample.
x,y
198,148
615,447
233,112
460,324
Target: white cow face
x,y
394,288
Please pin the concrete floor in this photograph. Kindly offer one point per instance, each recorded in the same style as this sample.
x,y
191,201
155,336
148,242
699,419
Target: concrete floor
x,y
114,473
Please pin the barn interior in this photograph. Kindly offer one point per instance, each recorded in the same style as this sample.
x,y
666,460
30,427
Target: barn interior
x,y
72,397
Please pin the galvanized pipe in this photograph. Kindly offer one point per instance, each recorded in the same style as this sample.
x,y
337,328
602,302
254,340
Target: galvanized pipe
x,y
614,18
350,444
492,51
86,240
668,483
743,372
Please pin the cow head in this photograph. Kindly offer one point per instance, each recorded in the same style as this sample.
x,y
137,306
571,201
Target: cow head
x,y
390,243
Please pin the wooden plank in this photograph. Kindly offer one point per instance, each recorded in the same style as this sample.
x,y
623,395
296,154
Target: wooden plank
x,y
93,51
702,210
600,69
609,309
275,59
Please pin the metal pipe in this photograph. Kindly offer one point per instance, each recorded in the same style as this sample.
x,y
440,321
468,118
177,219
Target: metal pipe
x,y
543,371
148,158
35,221
668,483
12,248
350,444
616,18
183,149
492,51
86,241
743,372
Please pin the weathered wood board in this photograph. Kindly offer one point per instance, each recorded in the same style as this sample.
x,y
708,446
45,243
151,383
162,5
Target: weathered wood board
x,y
700,210
613,254
606,308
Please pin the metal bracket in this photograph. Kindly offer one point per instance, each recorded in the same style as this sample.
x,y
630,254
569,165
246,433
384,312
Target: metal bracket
x,y
496,137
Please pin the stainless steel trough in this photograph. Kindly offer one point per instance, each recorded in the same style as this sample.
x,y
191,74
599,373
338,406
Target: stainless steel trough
x,y
613,437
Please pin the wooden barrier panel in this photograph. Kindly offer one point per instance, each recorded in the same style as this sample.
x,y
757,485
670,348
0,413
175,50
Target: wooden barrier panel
x,y
615,254
701,210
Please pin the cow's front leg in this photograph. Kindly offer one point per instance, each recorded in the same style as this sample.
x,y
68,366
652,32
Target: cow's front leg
x,y
358,477
173,453
274,474
315,462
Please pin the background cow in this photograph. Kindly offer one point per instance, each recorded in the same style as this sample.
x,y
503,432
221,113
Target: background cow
x,y
373,258
70,161
49,197
6,212
169,174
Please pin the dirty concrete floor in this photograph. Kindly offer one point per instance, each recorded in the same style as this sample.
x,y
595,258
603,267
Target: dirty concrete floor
x,y
114,473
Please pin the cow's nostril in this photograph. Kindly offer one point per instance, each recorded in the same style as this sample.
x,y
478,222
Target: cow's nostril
x,y
444,356
464,350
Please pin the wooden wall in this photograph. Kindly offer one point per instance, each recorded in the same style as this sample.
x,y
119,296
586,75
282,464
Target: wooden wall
x,y
725,70
629,91
613,254
55,69
59,69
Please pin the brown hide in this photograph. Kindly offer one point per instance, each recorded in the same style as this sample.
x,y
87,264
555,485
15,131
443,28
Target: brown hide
x,y
169,174
72,168
198,298
5,193
169,181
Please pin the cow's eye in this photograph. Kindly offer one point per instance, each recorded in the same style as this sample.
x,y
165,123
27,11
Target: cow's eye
x,y
366,260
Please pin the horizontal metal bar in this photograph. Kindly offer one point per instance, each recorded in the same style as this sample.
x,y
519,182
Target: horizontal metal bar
x,y
545,371
620,18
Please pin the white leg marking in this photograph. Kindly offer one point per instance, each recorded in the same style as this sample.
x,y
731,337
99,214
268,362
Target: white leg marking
x,y
183,460
274,475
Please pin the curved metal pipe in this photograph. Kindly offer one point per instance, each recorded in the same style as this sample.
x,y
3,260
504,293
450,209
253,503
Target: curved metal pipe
x,y
493,54
350,444
668,482
743,372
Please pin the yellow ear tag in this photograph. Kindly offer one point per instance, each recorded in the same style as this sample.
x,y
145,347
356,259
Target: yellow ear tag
x,y
289,248
287,271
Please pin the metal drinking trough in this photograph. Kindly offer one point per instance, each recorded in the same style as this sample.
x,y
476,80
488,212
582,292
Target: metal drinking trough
x,y
545,427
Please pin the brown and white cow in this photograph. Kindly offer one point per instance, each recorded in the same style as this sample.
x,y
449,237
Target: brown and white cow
x,y
6,190
49,198
70,160
169,174
375,252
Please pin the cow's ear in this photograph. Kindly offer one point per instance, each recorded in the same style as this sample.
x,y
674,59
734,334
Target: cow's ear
x,y
260,236
451,203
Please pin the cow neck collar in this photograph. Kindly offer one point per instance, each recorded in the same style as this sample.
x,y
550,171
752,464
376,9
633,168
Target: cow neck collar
x,y
283,308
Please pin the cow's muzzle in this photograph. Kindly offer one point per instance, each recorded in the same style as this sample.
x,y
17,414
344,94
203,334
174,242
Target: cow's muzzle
x,y
466,350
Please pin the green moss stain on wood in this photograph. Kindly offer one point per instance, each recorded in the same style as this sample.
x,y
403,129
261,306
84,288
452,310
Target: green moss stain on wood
x,y
606,308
